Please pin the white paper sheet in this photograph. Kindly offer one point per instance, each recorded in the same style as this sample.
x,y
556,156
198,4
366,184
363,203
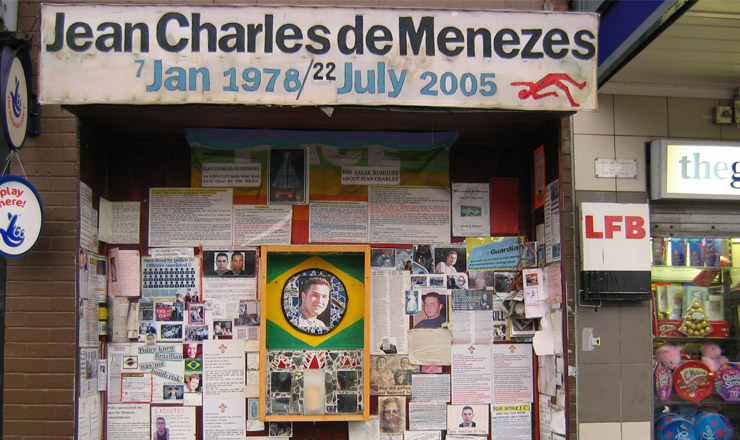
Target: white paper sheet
x,y
259,225
409,214
223,369
127,422
190,217
178,420
471,374
513,373
388,322
119,222
471,210
427,416
224,419
430,346
88,229
124,272
511,422
337,222
430,388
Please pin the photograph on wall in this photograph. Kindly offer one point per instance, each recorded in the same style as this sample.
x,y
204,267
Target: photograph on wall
x,y
449,259
435,309
288,175
383,258
319,307
229,262
391,375
229,273
314,300
423,260
481,279
467,419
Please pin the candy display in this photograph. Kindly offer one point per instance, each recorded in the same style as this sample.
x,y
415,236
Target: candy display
x,y
695,321
693,381
727,382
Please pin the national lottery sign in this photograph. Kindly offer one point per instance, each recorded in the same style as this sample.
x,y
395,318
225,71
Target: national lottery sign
x,y
137,54
21,216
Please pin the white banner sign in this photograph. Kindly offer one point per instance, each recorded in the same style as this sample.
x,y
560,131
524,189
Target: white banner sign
x,y
615,236
295,56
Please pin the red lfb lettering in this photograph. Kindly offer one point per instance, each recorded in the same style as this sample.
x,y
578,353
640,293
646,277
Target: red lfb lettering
x,y
634,227
590,233
612,224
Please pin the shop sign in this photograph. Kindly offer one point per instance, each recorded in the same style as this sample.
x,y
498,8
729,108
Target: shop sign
x,y
15,71
614,236
138,54
21,216
694,170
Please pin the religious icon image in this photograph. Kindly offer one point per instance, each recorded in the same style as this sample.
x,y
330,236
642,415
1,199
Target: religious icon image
x,y
288,175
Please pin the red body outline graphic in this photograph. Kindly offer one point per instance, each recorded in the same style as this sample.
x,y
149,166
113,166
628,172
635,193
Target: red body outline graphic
x,y
551,79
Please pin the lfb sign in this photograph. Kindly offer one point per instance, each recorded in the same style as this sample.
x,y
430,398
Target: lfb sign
x,y
615,237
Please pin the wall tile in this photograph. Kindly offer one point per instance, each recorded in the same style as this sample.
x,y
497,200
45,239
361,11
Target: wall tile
x,y
588,148
598,122
599,431
629,147
637,395
636,431
599,393
640,116
605,324
692,118
635,330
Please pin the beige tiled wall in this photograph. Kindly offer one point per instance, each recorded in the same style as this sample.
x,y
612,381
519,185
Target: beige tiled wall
x,y
614,380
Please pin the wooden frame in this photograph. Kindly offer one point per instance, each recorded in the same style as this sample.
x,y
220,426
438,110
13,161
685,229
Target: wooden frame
x,y
328,346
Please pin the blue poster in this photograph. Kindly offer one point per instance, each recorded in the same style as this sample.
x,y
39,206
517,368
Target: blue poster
x,y
495,253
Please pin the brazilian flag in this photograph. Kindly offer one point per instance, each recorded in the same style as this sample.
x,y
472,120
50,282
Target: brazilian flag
x,y
342,323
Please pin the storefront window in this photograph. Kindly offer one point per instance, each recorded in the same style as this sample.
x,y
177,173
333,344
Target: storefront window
x,y
696,291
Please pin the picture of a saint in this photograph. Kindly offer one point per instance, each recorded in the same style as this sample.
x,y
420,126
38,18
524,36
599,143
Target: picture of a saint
x,y
288,175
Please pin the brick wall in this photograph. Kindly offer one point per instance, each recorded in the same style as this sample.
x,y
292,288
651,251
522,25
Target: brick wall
x,y
40,292
40,312
567,226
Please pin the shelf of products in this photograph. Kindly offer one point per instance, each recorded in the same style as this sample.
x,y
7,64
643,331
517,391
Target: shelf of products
x,y
696,339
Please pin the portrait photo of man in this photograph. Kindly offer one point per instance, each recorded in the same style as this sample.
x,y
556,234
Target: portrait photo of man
x,y
448,265
467,417
434,310
161,432
222,263
315,297
192,351
241,264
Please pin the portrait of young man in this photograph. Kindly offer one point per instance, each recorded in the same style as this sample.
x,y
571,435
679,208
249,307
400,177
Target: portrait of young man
x,y
315,298
434,310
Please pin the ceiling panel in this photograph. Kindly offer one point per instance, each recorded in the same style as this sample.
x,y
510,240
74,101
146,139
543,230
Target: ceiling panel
x,y
697,56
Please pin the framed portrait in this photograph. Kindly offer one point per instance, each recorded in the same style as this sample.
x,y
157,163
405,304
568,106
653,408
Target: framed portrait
x,y
288,175
467,419
313,306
